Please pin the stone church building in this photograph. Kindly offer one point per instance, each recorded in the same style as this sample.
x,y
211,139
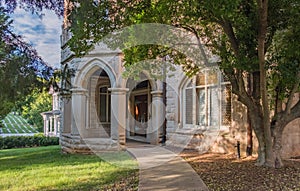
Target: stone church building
x,y
105,110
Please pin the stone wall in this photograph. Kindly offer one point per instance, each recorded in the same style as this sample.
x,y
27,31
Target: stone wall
x,y
173,81
291,140
291,137
195,138
227,139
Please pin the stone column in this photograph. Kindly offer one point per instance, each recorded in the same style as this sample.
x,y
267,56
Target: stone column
x,y
47,126
93,116
55,124
51,126
59,129
45,122
78,110
118,115
155,131
66,116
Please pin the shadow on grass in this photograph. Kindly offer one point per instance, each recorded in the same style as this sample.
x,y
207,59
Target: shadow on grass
x,y
46,168
51,156
120,181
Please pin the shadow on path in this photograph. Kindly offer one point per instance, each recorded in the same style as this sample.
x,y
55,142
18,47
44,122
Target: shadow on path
x,y
161,169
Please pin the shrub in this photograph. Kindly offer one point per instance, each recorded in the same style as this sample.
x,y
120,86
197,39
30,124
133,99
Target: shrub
x,y
27,141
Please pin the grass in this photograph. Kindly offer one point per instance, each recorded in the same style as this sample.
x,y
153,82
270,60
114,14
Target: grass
x,y
46,168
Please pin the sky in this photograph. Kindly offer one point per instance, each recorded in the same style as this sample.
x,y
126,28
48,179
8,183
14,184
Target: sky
x,y
43,34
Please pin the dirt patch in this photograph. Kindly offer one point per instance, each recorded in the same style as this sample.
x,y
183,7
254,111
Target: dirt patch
x,y
226,172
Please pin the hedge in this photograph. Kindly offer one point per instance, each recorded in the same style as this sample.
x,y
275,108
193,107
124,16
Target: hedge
x,y
27,141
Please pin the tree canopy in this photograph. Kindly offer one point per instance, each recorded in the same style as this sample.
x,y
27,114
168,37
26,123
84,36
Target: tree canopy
x,y
34,6
33,105
21,68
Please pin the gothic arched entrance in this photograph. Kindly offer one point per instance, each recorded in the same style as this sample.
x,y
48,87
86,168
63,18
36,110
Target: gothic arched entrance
x,y
139,110
145,110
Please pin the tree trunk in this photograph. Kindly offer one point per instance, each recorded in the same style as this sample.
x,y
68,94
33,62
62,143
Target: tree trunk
x,y
279,122
256,116
249,127
277,145
261,150
263,15
249,139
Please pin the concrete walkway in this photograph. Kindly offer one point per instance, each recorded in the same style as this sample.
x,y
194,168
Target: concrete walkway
x,y
161,169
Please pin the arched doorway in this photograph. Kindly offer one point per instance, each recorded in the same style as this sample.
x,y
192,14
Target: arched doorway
x,y
99,104
139,110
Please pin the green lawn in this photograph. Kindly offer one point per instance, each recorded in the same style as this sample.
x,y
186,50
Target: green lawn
x,y
46,168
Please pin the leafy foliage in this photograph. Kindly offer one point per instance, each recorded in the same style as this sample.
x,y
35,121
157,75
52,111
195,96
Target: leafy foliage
x,y
20,64
284,57
27,141
34,104
228,29
16,80
34,6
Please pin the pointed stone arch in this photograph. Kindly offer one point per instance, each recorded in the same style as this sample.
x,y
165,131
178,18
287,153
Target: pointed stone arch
x,y
87,70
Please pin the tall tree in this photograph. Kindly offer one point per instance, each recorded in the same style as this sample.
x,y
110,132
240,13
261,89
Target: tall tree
x,y
240,32
20,64
35,103
284,78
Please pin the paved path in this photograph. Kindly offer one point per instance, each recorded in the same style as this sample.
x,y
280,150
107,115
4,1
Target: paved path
x,y
161,169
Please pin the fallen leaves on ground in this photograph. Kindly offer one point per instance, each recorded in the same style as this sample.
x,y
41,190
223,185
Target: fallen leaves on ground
x,y
126,184
226,172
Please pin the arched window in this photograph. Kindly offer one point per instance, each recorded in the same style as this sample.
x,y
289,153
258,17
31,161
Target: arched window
x,y
104,104
207,101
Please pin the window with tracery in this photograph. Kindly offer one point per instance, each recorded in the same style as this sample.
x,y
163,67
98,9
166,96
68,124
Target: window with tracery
x,y
207,100
104,104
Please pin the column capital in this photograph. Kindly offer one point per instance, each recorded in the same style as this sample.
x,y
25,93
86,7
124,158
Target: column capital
x,y
118,90
78,91
157,93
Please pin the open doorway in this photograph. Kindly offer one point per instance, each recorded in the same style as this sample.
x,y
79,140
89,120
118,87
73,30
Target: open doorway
x,y
141,115
140,110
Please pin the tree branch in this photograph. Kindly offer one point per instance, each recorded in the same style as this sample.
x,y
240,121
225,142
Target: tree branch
x,y
194,31
238,88
226,25
295,111
284,118
291,96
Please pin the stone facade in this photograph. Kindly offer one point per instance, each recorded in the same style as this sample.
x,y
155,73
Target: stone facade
x,y
105,109
99,112
223,140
